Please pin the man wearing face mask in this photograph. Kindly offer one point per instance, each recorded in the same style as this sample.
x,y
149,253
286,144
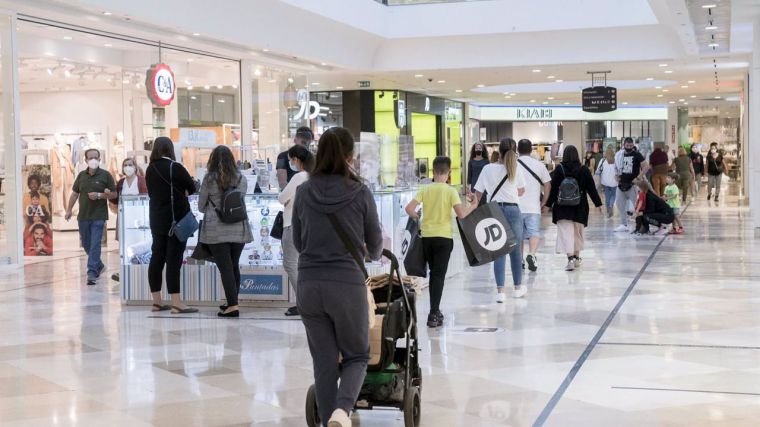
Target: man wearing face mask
x,y
92,188
285,173
629,165
716,166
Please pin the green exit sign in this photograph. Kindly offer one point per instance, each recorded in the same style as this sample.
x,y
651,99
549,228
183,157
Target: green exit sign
x,y
364,83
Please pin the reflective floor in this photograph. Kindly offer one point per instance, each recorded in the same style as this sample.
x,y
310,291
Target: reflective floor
x,y
682,348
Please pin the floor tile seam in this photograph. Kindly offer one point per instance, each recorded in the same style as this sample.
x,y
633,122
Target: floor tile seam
x,y
740,393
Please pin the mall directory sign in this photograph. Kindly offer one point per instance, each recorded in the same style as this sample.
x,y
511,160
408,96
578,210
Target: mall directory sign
x,y
159,82
599,99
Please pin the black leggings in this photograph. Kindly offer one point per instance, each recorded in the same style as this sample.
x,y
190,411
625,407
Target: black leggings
x,y
166,250
643,221
227,259
437,253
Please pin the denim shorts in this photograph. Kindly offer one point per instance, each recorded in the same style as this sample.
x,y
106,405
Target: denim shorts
x,y
531,225
676,211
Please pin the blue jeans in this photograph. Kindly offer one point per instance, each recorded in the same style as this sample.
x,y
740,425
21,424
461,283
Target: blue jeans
x,y
609,199
514,218
91,234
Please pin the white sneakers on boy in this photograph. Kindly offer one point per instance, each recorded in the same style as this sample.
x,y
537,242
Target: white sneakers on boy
x,y
339,418
520,291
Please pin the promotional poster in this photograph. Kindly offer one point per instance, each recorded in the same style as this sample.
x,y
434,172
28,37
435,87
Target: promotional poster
x,y
36,210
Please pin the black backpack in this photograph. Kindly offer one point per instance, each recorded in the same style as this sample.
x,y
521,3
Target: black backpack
x,y
569,193
232,208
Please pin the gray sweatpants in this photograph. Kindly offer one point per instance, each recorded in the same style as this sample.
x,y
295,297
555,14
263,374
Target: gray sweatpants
x,y
290,258
335,317
622,198
713,182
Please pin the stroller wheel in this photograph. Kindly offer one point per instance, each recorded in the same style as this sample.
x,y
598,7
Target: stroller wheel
x,y
312,412
412,407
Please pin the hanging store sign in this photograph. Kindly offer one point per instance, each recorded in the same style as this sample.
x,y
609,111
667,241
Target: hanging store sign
x,y
159,82
308,108
599,99
400,114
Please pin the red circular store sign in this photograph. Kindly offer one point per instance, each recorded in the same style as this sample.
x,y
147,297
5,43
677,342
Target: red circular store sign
x,y
159,82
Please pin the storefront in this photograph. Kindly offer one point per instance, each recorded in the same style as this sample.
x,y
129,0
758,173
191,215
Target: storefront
x,y
548,127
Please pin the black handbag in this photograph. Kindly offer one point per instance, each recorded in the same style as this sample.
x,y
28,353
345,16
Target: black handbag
x,y
187,225
412,250
277,226
202,251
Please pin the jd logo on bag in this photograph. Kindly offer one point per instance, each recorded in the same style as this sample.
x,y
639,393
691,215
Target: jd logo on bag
x,y
486,234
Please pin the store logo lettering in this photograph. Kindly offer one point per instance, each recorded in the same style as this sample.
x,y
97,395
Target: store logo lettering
x,y
313,107
261,285
534,113
491,234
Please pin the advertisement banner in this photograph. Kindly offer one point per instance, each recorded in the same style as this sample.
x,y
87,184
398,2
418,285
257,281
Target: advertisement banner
x,y
36,210
263,286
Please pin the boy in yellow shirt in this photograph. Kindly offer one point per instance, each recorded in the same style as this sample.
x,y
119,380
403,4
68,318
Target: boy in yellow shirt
x,y
438,199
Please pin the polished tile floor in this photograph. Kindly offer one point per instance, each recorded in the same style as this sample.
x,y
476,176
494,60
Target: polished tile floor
x,y
682,348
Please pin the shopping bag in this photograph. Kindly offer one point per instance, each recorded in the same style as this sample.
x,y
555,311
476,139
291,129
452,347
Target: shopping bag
x,y
202,252
277,227
486,234
411,250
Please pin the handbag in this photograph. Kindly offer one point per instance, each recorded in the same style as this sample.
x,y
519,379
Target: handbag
x,y
202,251
278,226
486,233
188,225
412,251
349,245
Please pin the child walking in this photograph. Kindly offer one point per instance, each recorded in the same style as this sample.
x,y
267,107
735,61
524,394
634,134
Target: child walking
x,y
438,199
672,196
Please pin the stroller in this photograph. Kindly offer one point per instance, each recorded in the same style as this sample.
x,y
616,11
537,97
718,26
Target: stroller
x,y
394,377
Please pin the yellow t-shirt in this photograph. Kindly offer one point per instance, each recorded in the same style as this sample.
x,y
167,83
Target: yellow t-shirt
x,y
438,200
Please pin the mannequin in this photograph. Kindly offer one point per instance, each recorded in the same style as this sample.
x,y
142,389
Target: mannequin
x,y
62,174
118,154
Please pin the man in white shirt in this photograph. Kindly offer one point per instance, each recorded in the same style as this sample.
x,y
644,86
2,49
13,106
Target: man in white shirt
x,y
537,181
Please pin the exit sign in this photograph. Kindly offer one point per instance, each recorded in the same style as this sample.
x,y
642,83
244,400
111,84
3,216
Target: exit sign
x,y
364,83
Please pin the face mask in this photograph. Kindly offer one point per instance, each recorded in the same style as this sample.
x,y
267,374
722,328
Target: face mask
x,y
628,150
93,163
293,167
694,150
129,170
478,153
713,151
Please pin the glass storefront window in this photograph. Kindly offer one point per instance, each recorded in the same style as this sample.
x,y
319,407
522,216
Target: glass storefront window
x,y
10,226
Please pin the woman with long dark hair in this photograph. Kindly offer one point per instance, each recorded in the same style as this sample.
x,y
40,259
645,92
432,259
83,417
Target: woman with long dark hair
x,y
301,161
332,296
478,160
163,173
508,198
225,240
571,219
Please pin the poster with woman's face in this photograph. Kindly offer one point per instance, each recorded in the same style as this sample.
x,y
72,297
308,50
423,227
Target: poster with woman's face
x,y
36,210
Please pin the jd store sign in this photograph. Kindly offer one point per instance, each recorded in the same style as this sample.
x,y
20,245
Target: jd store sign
x,y
491,234
160,84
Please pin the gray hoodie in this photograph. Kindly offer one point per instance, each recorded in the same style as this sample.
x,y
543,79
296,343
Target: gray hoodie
x,y
323,257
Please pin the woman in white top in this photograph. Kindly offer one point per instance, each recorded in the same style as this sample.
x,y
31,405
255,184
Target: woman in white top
x,y
606,171
508,198
302,161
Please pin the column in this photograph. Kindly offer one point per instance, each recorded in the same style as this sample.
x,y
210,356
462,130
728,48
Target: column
x,y
246,102
753,140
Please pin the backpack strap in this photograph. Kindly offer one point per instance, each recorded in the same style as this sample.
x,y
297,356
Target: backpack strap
x,y
498,187
531,172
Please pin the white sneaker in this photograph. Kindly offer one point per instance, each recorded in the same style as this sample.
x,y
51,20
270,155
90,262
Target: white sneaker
x,y
570,265
339,418
578,262
520,291
622,228
500,297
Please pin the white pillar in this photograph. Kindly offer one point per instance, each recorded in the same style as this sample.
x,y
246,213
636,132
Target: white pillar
x,y
13,253
246,102
753,141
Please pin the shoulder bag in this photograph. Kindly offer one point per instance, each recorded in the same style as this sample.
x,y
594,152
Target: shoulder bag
x,y
541,184
351,248
187,225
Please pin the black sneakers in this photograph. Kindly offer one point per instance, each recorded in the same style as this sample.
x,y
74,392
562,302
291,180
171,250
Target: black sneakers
x,y
435,320
532,262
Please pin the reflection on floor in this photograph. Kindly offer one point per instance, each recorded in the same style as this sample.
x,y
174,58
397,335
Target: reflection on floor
x,y
684,348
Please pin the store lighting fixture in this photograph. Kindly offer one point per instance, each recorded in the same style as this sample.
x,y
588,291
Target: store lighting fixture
x,y
663,65
717,97
693,96
711,27
681,100
196,34
709,6
559,81
512,94
265,50
234,86
668,71
193,97
49,54
507,97
50,71
625,103
207,87
532,100
550,98
536,70
481,85
126,81
566,103
458,91
713,45
257,72
324,64
685,103
339,87
441,81
691,82
418,76
106,13
67,73
68,38
666,90
659,95
671,102
221,101
658,87
188,82
684,87
107,45
544,103
137,85
190,88
315,84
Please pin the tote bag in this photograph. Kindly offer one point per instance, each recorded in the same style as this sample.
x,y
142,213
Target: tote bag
x,y
412,251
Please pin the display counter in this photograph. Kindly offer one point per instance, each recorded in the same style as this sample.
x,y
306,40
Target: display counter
x,y
263,278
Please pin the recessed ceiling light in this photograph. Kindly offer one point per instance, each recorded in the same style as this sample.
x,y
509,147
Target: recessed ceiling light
x,y
650,78
559,81
532,100
671,102
550,98
668,71
544,103
193,97
458,91
418,76
315,84
188,82
549,77
693,96
663,65
107,45
717,97
189,88
659,95
50,71
658,87
107,13
257,72
220,86
681,100
196,34
691,82
567,103
709,6
711,27
68,38
207,87
625,103
685,103
666,90
536,70
684,87
221,101
713,45
324,64
265,50
512,94
481,85
441,81
507,97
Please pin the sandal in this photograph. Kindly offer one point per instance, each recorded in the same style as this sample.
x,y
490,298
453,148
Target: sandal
x,y
159,307
186,310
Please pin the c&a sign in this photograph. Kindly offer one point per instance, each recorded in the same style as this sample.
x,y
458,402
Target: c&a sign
x,y
159,82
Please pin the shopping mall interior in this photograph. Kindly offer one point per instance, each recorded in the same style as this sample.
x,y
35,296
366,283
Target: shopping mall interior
x,y
652,329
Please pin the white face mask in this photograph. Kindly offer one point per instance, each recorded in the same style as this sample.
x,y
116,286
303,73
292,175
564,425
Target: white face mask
x,y
129,170
93,163
293,167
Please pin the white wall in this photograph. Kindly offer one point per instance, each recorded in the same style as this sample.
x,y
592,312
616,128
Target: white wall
x,y
534,132
572,134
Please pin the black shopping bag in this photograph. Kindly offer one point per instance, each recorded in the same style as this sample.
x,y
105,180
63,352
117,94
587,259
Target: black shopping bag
x,y
411,250
486,234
